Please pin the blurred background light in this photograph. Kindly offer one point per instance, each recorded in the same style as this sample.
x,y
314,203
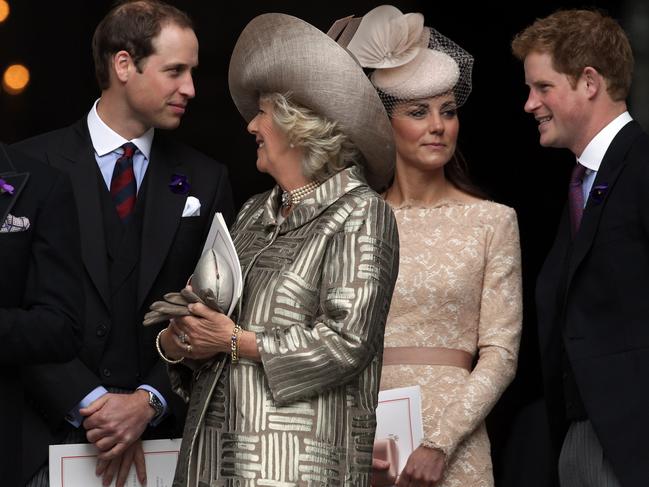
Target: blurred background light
x,y
15,79
4,10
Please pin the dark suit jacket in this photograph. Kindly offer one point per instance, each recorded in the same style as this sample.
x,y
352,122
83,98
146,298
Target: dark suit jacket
x,y
170,248
593,293
40,295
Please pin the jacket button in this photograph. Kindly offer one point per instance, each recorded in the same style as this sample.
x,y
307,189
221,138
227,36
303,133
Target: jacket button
x,y
106,372
101,330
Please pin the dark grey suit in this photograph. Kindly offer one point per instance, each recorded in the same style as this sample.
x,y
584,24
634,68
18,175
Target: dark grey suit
x,y
41,299
593,295
117,350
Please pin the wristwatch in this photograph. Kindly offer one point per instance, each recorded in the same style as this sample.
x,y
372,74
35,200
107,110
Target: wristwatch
x,y
156,404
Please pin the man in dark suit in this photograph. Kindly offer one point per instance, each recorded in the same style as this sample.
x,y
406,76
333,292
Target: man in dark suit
x,y
145,207
40,296
593,290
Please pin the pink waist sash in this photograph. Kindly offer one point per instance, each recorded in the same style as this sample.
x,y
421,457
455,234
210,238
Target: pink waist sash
x,y
427,356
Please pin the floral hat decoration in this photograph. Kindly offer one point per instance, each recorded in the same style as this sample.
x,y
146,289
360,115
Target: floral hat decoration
x,y
409,60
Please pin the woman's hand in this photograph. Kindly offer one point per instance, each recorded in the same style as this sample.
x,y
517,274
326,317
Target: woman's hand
x,y
204,334
425,467
199,336
379,468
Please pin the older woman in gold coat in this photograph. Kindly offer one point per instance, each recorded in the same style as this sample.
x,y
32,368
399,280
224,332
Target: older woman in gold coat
x,y
286,393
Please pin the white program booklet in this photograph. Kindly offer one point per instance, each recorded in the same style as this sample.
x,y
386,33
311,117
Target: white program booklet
x,y
398,416
74,465
219,239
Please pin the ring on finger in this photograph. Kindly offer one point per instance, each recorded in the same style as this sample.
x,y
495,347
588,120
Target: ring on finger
x,y
188,347
182,336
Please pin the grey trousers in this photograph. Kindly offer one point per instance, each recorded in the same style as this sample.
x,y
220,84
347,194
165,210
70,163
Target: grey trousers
x,y
582,462
42,477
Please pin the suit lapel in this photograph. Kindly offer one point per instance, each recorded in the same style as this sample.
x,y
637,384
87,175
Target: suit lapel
x,y
610,169
76,147
163,212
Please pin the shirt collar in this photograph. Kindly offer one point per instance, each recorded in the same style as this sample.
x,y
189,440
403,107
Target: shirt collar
x,y
105,140
594,152
316,202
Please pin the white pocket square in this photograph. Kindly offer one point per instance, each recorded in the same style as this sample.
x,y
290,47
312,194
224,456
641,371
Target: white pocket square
x,y
15,224
192,207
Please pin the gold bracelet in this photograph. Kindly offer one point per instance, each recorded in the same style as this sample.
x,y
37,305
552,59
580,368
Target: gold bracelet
x,y
162,355
234,345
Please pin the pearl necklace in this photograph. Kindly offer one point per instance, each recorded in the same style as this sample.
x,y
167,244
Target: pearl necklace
x,y
292,198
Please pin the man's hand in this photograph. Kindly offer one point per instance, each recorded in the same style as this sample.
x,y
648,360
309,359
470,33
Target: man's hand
x,y
121,465
114,421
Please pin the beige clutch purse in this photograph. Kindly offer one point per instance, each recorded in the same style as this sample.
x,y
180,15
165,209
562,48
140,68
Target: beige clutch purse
x,y
386,449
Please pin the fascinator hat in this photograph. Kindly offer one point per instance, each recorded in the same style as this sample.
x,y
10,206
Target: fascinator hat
x,y
410,61
280,53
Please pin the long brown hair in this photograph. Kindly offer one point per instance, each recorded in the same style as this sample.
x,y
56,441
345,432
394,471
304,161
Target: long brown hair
x,y
457,173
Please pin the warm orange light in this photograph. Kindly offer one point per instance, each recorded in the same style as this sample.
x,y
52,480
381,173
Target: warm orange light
x,y
15,79
4,10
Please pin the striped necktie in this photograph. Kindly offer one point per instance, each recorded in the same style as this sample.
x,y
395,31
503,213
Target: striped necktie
x,y
576,197
123,188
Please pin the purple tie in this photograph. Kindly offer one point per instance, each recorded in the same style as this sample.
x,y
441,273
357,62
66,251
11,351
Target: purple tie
x,y
122,186
576,197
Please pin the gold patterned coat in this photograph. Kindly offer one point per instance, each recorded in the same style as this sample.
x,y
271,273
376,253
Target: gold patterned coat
x,y
317,293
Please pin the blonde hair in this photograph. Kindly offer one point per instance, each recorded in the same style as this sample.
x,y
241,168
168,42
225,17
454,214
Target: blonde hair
x,y
327,149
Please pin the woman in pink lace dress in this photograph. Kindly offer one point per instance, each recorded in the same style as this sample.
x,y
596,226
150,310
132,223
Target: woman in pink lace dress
x,y
455,321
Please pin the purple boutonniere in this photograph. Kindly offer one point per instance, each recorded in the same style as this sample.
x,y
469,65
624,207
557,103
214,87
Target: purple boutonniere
x,y
5,187
598,193
179,184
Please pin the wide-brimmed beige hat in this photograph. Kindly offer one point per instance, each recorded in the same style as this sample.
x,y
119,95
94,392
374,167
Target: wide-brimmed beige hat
x,y
280,53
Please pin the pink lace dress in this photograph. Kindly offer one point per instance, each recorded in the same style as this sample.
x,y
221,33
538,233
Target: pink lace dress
x,y
459,287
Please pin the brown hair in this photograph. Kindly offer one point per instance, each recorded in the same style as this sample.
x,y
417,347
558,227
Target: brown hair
x,y
132,26
456,172
576,39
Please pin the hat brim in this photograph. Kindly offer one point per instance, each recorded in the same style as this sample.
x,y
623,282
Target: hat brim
x,y
279,53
